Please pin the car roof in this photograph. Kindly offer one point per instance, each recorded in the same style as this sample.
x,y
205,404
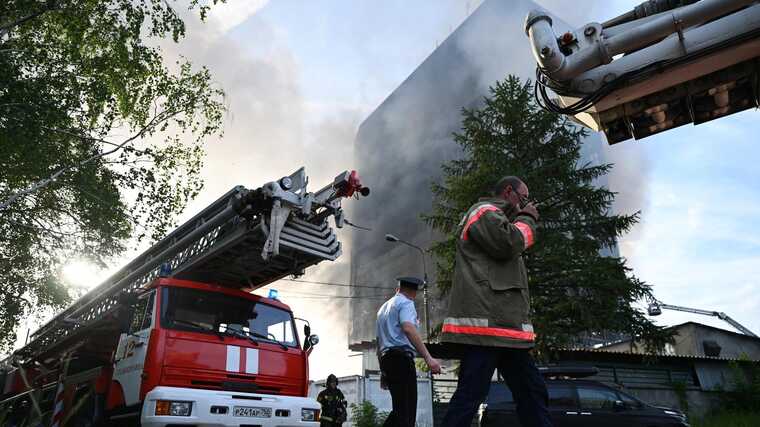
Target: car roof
x,y
574,381
568,371
577,382
591,383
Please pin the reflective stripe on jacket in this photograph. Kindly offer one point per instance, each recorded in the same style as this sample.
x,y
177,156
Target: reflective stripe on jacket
x,y
489,301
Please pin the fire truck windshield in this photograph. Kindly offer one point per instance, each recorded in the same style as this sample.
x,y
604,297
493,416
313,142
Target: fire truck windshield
x,y
215,313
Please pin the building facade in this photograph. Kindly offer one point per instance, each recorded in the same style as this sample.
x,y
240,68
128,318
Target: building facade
x,y
696,339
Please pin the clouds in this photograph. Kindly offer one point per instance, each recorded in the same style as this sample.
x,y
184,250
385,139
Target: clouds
x,y
699,241
272,130
226,16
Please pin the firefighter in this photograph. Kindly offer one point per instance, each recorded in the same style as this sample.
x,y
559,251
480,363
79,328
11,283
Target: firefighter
x,y
333,404
489,308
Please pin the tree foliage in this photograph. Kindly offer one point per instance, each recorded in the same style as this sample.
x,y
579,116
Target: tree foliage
x,y
99,138
743,395
578,285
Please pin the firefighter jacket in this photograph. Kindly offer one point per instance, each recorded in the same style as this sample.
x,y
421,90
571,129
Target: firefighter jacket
x,y
333,405
489,301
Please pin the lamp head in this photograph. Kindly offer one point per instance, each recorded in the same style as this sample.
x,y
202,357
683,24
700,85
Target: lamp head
x,y
391,238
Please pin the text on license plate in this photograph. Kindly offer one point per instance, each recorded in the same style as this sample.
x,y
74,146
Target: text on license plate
x,y
250,411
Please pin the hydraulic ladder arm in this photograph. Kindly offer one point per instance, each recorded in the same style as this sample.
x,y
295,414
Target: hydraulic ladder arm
x,y
660,66
655,309
245,239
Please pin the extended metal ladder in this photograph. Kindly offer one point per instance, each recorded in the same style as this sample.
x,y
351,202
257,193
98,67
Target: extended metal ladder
x,y
245,239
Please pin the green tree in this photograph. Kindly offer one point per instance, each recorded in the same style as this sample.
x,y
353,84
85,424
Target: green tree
x,y
575,290
100,140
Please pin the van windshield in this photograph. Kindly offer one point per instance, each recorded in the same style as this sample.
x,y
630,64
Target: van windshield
x,y
216,313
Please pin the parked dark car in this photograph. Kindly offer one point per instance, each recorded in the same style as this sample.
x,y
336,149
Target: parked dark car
x,y
580,403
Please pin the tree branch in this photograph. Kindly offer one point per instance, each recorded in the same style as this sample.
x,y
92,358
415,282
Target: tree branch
x,y
4,29
52,178
14,296
84,137
42,227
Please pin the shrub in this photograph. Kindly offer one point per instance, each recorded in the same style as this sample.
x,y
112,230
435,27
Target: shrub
x,y
746,393
366,414
729,419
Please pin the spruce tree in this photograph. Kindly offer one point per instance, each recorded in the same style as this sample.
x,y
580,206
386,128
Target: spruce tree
x,y
578,286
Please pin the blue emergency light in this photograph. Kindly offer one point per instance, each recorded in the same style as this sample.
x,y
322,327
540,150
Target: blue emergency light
x,y
272,294
165,270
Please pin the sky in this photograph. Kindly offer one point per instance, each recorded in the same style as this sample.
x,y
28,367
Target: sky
x,y
301,76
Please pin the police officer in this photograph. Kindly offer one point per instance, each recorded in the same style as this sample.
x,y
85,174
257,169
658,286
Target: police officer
x,y
489,308
333,404
398,342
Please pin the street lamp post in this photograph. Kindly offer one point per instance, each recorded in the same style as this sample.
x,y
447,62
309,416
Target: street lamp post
x,y
394,239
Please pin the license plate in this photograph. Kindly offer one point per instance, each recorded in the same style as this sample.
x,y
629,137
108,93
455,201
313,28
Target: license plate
x,y
251,411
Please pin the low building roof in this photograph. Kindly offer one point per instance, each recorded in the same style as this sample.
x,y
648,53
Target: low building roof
x,y
714,328
632,355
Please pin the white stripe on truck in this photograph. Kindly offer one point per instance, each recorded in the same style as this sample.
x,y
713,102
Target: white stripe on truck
x,y
251,361
233,358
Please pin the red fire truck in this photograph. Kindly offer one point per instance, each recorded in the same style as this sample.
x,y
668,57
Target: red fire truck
x,y
176,337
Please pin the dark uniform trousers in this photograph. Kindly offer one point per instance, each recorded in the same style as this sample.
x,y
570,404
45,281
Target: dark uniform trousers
x,y
519,371
401,377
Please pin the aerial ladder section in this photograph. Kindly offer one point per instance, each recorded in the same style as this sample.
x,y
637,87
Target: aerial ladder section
x,y
655,309
662,65
246,239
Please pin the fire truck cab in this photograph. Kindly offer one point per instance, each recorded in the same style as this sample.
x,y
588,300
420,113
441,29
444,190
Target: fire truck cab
x,y
190,353
196,353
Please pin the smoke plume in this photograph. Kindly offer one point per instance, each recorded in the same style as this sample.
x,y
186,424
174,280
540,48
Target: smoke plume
x,y
271,131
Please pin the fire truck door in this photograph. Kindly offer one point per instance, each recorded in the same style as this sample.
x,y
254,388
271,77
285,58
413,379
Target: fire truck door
x,y
133,346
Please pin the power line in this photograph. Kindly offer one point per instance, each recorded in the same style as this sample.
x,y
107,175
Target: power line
x,y
306,295
297,293
346,285
314,296
379,298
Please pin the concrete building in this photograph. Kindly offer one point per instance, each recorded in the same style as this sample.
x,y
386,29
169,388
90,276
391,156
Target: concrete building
x,y
400,147
696,339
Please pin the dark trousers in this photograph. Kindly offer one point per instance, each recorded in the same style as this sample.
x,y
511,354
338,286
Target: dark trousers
x,y
401,377
521,375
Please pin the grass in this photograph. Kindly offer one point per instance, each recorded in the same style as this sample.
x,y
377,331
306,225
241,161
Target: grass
x,y
729,419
